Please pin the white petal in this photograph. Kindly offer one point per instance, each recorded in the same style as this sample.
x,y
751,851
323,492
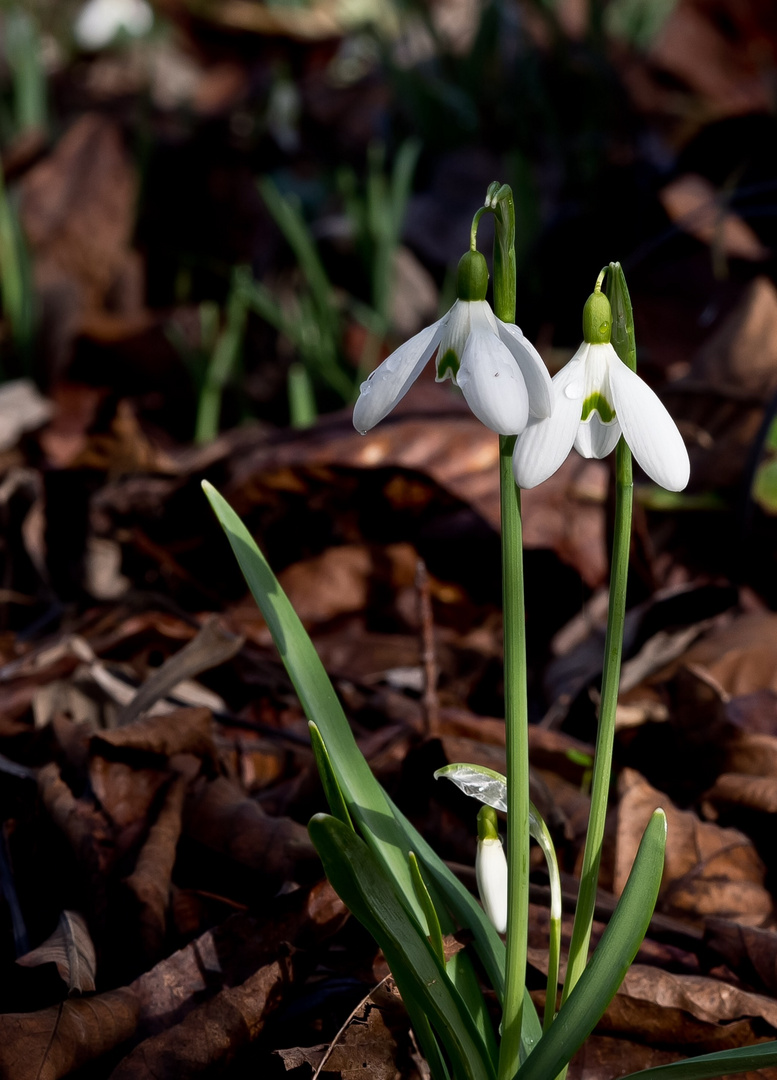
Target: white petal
x,y
545,444
492,384
595,439
389,382
454,337
534,372
649,430
491,876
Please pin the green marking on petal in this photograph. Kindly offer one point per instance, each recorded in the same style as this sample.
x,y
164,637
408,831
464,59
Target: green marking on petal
x,y
597,402
447,363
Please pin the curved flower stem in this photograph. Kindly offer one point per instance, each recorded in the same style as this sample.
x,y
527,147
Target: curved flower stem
x,y
517,753
623,341
500,201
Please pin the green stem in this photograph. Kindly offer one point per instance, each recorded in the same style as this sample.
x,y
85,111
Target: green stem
x,y
517,753
499,200
613,649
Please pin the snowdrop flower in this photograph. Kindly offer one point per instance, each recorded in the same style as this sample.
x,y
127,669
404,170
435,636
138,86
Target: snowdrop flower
x,y
99,21
596,399
500,373
491,869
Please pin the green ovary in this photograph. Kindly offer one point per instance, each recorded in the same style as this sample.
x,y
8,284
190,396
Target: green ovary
x,y
598,403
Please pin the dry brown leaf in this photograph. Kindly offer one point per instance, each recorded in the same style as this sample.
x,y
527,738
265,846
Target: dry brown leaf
x,y
125,792
209,1038
740,657
749,951
221,817
50,1044
70,948
691,1011
341,579
184,731
86,828
77,207
603,1056
150,880
708,870
733,376
565,514
211,646
738,789
230,953
692,202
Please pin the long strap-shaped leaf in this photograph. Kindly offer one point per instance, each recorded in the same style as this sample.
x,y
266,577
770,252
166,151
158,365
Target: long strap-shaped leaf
x,y
741,1059
360,880
389,833
598,984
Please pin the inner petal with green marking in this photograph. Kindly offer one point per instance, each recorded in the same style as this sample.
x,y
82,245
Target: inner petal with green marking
x,y
449,363
597,402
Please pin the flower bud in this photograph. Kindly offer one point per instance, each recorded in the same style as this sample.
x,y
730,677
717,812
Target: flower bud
x,y
491,869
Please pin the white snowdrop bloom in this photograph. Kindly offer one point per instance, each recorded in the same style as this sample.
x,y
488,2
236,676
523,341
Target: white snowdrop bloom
x,y
596,399
500,373
99,21
491,870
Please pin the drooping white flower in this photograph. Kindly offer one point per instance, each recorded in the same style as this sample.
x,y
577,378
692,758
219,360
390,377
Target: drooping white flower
x,y
500,373
99,21
596,399
491,870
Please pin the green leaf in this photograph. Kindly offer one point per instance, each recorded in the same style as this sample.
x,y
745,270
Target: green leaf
x,y
389,834
425,900
599,983
722,1063
369,892
334,795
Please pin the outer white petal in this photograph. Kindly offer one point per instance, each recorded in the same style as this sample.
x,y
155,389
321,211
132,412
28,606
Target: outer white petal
x,y
492,384
545,444
649,429
534,372
389,382
491,876
595,439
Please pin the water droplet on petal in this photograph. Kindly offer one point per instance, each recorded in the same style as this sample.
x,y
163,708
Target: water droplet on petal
x,y
573,391
363,432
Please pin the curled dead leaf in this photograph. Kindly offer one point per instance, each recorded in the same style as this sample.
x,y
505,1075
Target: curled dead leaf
x,y
208,1038
221,817
708,871
49,1044
150,880
70,947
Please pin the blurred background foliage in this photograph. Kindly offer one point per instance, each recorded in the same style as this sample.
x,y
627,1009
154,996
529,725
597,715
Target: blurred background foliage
x,y
298,179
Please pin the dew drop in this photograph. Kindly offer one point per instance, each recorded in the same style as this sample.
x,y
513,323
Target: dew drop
x,y
573,391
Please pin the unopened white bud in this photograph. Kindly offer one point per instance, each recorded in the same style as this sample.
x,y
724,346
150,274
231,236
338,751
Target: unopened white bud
x,y
491,876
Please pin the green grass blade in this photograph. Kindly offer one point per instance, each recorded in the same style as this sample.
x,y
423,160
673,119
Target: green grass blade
x,y
741,1059
366,888
612,958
